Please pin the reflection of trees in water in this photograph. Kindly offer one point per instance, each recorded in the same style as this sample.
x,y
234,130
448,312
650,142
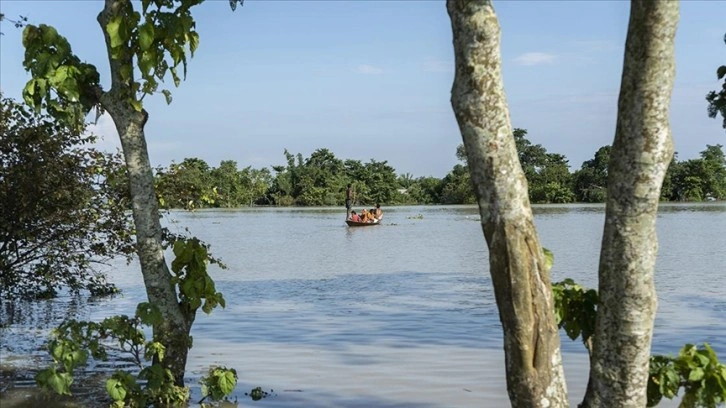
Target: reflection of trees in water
x,y
25,325
718,206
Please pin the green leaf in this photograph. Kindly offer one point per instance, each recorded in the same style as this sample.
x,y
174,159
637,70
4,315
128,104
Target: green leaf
x,y
549,258
167,95
148,313
228,382
155,349
696,374
194,303
193,39
60,383
146,36
116,389
60,75
113,28
136,104
174,76
208,307
702,358
721,71
147,62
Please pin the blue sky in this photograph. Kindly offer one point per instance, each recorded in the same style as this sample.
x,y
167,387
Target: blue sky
x,y
372,79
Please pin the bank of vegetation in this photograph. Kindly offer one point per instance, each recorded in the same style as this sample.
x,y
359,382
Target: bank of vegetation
x,y
321,179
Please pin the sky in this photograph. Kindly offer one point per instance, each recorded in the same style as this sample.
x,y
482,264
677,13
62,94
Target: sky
x,y
372,79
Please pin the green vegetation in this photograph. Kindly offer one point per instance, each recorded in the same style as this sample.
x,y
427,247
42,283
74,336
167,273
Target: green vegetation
x,y
320,180
122,338
63,207
697,371
218,383
145,44
697,179
717,99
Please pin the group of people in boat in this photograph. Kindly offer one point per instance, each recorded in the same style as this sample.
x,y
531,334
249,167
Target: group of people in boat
x,y
373,215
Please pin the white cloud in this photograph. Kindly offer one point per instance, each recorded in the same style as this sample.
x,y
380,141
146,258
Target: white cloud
x,y
366,69
535,58
438,65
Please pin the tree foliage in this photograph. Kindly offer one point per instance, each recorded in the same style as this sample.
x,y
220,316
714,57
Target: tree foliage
x,y
696,371
717,99
185,185
320,180
63,206
590,182
143,48
698,179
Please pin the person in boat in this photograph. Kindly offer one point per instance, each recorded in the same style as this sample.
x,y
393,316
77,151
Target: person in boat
x,y
366,216
378,213
354,217
348,201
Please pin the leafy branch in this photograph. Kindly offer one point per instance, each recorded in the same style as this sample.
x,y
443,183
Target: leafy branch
x,y
698,371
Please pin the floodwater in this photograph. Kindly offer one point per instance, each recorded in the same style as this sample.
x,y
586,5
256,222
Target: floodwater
x,y
391,316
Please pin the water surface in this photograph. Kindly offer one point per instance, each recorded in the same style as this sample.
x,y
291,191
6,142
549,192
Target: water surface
x,y
401,314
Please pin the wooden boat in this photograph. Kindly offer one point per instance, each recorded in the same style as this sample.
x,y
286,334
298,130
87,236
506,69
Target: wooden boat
x,y
352,223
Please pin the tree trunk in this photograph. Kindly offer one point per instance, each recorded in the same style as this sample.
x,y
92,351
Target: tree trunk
x,y
640,156
174,330
521,281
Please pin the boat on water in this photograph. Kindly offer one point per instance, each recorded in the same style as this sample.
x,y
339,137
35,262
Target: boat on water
x,y
352,223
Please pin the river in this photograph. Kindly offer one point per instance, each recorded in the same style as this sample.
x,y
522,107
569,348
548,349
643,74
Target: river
x,y
401,314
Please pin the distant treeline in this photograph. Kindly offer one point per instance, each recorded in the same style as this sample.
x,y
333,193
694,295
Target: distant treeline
x,y
321,179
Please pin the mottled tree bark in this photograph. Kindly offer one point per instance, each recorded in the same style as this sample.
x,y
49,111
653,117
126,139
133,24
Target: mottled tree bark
x,y
641,153
173,331
521,281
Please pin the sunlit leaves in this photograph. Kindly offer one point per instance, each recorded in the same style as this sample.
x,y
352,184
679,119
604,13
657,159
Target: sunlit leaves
x,y
120,338
193,39
697,371
196,287
717,99
115,389
575,309
158,41
218,383
60,80
146,36
51,380
115,31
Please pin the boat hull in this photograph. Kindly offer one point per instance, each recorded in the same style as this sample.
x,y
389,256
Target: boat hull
x,y
361,224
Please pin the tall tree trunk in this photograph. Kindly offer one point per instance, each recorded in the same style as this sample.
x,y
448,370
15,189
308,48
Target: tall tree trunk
x,y
640,156
173,331
521,281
